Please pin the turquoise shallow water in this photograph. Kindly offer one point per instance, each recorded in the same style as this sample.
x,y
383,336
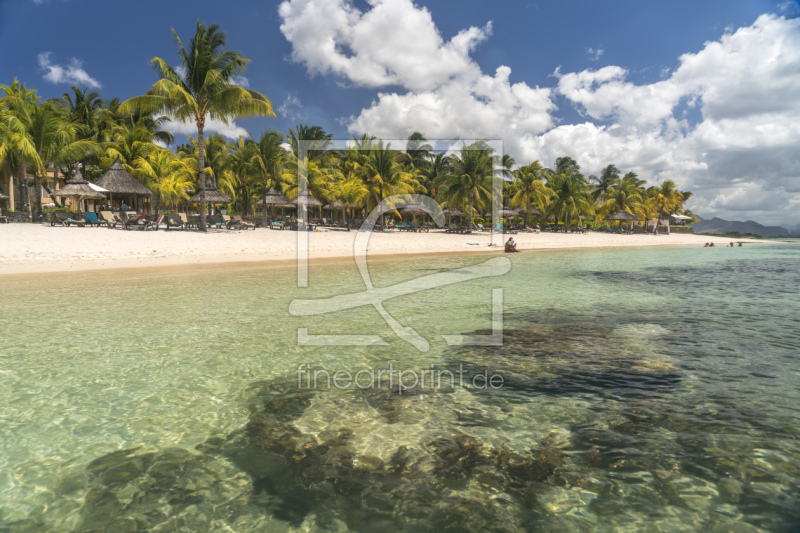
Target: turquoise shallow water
x,y
643,390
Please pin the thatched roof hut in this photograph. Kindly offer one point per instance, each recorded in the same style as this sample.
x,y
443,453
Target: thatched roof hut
x,y
118,181
623,215
273,197
210,196
306,199
337,204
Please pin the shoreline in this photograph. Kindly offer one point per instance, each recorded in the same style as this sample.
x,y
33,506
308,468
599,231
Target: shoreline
x,y
31,250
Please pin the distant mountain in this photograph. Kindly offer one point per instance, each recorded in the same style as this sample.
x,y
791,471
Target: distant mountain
x,y
718,225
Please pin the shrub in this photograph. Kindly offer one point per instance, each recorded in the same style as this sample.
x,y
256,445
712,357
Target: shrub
x,y
592,225
54,209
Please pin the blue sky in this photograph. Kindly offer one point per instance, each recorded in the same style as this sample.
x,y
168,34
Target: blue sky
x,y
605,82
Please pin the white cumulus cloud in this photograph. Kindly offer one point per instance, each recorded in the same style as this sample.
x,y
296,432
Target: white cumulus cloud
x,y
724,122
72,73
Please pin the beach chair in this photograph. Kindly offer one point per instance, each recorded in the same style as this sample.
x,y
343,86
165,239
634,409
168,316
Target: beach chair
x,y
479,227
132,222
153,222
237,223
277,224
63,219
107,217
174,221
90,217
185,219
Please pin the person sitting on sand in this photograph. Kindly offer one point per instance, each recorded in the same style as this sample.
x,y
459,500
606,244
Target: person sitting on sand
x,y
511,246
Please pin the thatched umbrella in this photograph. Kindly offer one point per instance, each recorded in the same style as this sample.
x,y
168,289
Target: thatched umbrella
x,y
413,210
338,204
211,195
120,182
307,200
79,189
275,198
623,215
507,212
272,199
452,211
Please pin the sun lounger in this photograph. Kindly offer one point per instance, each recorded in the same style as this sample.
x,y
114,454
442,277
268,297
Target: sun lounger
x,y
133,222
154,221
90,217
107,217
64,219
237,223
277,225
174,221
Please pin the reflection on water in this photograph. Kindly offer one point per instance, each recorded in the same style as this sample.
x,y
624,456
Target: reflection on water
x,y
644,390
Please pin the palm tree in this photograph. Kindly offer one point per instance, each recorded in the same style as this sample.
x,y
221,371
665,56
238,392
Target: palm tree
x,y
315,136
471,178
626,196
207,89
16,104
567,165
237,172
529,188
609,178
570,195
418,151
265,162
130,144
164,173
665,198
437,170
384,174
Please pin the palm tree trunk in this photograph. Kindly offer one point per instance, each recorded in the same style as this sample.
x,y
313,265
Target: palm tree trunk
x,y
527,211
22,176
38,189
470,211
201,162
264,204
380,199
566,219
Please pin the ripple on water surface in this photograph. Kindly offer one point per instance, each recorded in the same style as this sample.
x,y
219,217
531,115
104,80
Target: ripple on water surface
x,y
643,390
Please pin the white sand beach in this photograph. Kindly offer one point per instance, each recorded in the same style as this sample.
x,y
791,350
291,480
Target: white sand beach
x,y
28,248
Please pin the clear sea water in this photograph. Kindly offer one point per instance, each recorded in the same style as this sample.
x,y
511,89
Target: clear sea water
x,y
648,389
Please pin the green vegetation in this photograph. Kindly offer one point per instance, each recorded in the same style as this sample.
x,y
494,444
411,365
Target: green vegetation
x,y
83,130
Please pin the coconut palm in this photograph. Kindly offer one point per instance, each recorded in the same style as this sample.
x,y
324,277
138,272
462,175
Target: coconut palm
x,y
529,188
165,174
384,175
609,177
16,104
664,198
626,196
207,89
265,164
130,143
470,180
570,195
418,151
